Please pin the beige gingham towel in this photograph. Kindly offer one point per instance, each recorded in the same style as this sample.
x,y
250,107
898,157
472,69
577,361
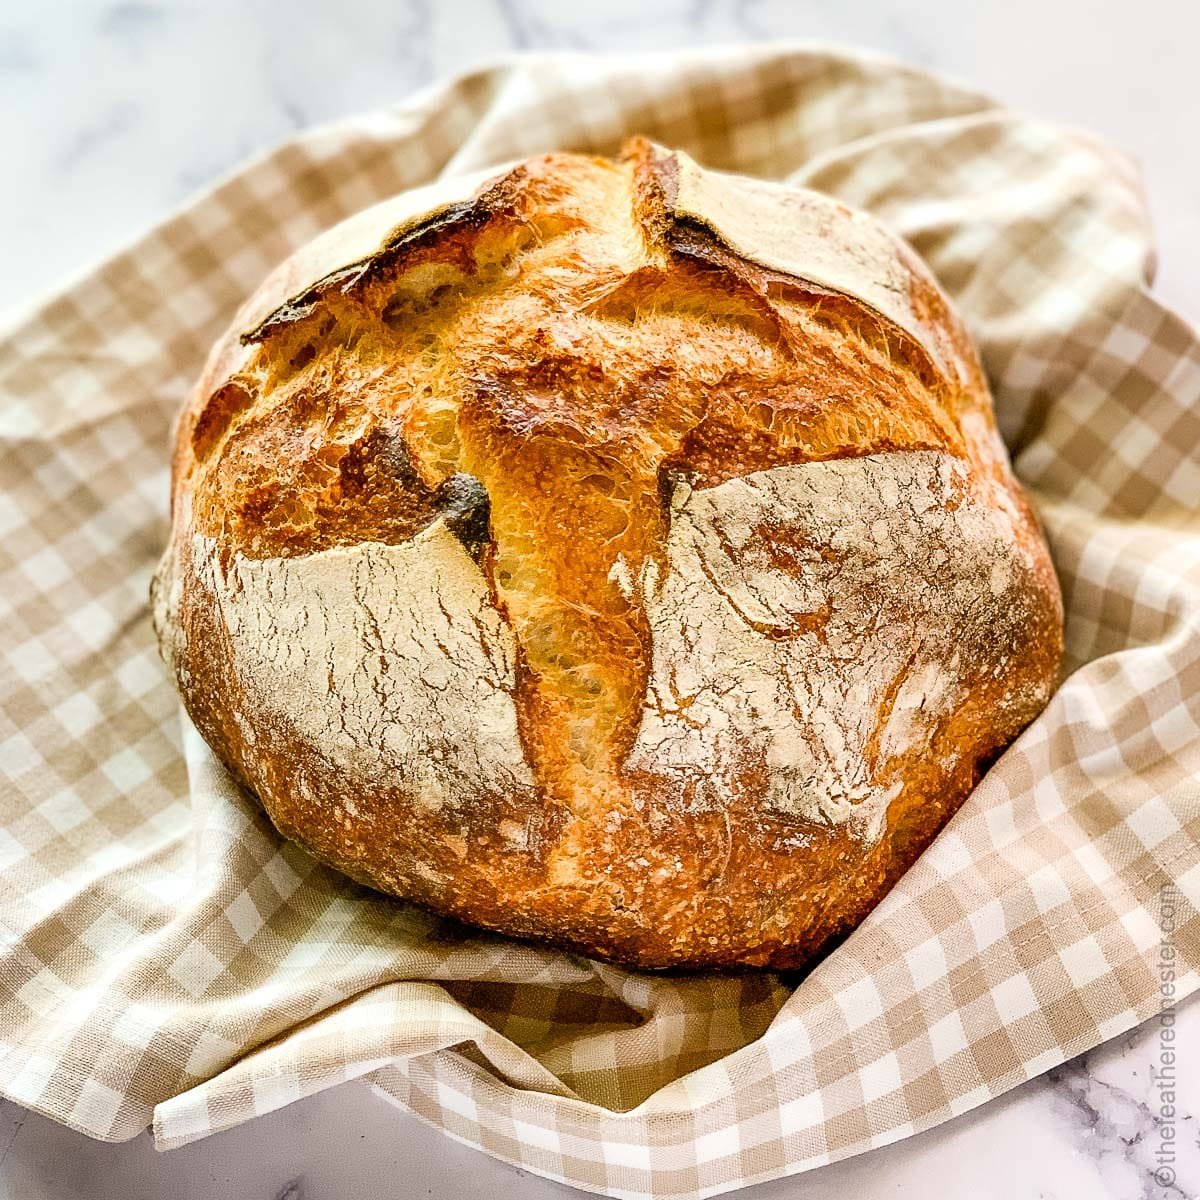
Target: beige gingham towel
x,y
167,959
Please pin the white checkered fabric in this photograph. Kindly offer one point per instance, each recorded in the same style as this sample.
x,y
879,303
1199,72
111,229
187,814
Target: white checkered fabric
x,y
165,959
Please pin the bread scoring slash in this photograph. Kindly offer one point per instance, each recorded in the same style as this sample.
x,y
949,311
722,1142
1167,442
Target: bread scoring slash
x,y
613,553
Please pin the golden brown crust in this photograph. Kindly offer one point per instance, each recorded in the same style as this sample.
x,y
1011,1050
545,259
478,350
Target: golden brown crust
x,y
611,553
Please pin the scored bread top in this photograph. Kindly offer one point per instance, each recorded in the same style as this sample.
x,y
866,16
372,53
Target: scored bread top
x,y
599,518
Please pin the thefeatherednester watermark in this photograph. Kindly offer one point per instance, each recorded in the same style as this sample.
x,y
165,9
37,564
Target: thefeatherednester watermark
x,y
1163,1072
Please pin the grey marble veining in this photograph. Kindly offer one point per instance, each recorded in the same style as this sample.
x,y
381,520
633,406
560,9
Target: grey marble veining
x,y
114,112
1086,1131
1110,1113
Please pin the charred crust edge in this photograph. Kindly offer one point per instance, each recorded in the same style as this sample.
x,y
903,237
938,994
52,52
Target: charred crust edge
x,y
493,197
466,510
656,176
346,279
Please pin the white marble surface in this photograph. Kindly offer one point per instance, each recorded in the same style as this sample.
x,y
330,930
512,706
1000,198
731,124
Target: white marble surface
x,y
1087,1131
113,112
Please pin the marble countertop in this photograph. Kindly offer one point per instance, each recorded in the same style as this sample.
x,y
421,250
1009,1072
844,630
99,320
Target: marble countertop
x,y
1086,1131
114,112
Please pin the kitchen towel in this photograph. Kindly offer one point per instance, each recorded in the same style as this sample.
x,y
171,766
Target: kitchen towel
x,y
166,960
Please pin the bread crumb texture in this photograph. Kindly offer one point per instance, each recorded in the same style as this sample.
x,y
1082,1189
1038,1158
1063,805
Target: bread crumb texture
x,y
609,552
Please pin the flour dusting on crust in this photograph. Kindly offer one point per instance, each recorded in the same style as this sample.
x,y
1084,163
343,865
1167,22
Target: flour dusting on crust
x,y
391,661
422,599
815,619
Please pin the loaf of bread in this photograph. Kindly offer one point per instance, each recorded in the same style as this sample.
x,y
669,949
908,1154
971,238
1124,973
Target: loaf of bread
x,y
613,553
